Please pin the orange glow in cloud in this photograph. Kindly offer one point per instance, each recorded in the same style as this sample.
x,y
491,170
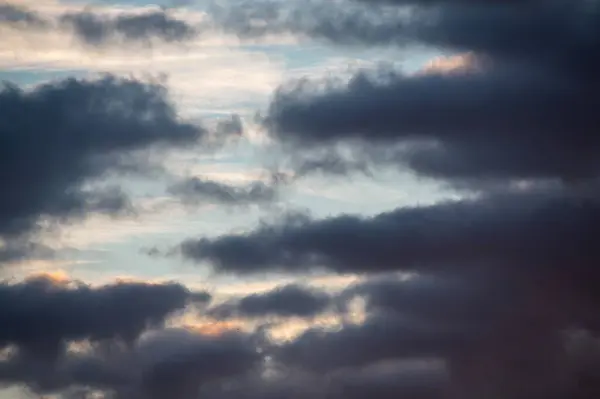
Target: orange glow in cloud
x,y
452,64
216,328
59,277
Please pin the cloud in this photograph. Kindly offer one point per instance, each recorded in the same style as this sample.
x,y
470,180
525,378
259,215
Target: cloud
x,y
197,190
287,301
500,123
524,112
395,380
378,339
82,130
42,313
173,362
95,29
16,16
508,228
101,28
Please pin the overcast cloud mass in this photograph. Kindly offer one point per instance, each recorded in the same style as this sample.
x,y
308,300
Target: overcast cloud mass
x,y
300,199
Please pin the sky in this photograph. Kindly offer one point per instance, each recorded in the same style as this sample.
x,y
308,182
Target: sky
x,y
299,199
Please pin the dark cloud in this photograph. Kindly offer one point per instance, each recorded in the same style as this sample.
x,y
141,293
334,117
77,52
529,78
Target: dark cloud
x,y
506,122
503,275
526,111
196,190
96,29
82,130
287,301
180,361
165,363
380,338
504,229
41,314
397,380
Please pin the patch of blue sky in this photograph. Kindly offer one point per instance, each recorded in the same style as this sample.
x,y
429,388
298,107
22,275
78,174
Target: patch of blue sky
x,y
26,77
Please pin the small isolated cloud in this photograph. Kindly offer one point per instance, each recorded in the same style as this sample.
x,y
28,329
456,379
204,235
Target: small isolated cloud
x,y
196,191
95,29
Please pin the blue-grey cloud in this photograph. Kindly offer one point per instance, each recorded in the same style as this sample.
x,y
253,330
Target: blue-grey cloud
x,y
16,16
41,314
198,191
96,29
168,362
82,130
526,111
287,301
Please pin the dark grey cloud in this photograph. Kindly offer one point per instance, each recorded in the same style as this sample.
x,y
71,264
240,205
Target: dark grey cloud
x,y
398,380
468,300
197,190
97,29
82,131
506,122
287,301
181,361
502,277
380,338
526,111
505,229
165,363
39,315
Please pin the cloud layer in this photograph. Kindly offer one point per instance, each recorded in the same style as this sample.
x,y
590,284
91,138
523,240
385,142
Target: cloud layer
x,y
492,294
